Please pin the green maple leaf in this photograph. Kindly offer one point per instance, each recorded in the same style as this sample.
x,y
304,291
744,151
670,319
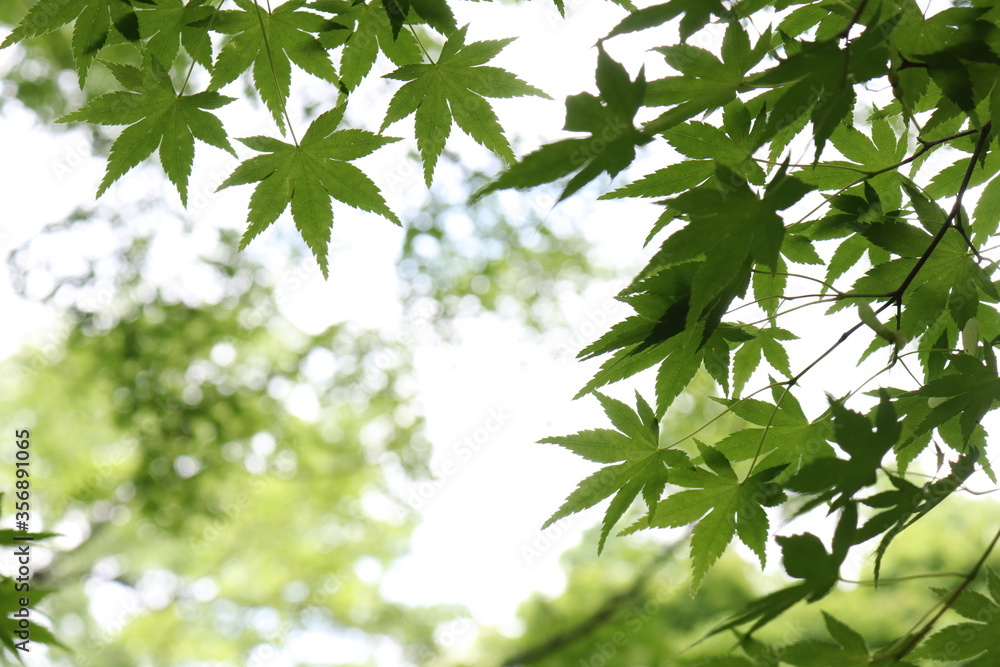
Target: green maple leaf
x,y
641,466
804,557
730,228
690,282
968,392
907,504
436,13
831,476
363,29
662,331
784,436
705,82
986,218
878,153
954,46
42,18
722,505
455,88
819,79
268,43
695,14
733,145
851,648
157,117
748,356
681,352
609,149
975,640
669,180
951,279
306,176
661,305
172,23
99,23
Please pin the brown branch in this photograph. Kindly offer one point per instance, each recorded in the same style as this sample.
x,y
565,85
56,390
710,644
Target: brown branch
x,y
897,296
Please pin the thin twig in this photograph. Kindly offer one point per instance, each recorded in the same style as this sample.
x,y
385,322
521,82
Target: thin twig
x,y
949,222
729,408
894,580
799,275
918,636
924,147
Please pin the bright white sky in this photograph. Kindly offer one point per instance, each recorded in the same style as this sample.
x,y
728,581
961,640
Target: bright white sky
x,y
479,543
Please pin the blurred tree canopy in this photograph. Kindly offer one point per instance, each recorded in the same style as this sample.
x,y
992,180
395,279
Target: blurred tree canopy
x,y
193,496
220,479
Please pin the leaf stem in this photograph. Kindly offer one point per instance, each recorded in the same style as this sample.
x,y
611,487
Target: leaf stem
x,y
767,427
949,222
201,44
274,74
728,409
822,299
420,43
800,275
910,577
845,167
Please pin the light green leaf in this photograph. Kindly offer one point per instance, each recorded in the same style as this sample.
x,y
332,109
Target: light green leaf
x,y
668,181
306,176
600,445
611,147
42,18
725,507
158,117
268,43
170,23
643,467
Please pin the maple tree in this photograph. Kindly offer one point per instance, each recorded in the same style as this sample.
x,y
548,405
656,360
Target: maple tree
x,y
892,106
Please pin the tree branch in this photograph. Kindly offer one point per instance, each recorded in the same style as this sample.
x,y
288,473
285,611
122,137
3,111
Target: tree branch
x,y
846,32
595,620
897,296
918,636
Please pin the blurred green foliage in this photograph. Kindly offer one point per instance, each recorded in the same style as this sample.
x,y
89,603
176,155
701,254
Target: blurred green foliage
x,y
461,260
197,500
207,512
633,607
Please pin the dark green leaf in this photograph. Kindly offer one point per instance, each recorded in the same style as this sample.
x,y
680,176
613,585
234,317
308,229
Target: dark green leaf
x,y
454,89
